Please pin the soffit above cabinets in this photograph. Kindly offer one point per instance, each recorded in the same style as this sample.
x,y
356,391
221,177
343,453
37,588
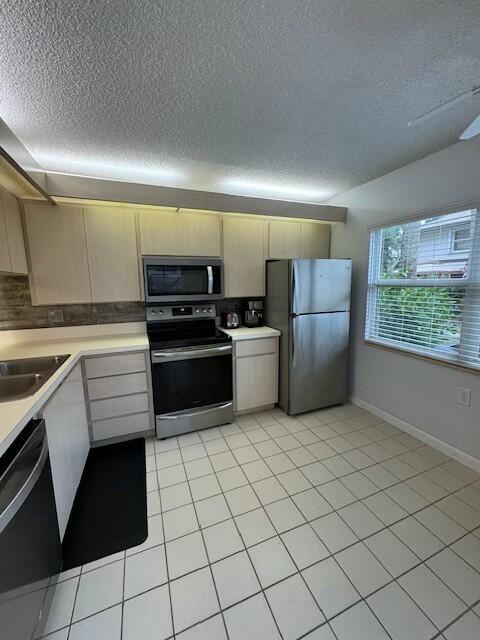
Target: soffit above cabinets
x,y
17,182
61,186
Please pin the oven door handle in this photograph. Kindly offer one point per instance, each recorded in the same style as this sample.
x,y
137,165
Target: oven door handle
x,y
24,491
210,279
178,416
157,356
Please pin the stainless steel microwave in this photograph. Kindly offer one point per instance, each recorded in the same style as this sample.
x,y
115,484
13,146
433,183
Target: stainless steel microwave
x,y
172,279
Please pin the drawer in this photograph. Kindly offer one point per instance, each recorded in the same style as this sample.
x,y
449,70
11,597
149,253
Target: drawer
x,y
117,385
121,426
101,409
255,347
113,365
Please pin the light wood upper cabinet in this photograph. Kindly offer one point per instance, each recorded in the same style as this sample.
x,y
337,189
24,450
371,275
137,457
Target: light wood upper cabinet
x,y
315,240
5,264
244,254
58,254
12,247
112,254
179,233
284,240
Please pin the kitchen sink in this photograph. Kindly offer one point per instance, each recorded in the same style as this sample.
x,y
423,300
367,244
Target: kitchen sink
x,y
22,378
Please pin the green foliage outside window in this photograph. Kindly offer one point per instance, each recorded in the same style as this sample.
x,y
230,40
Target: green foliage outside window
x,y
420,315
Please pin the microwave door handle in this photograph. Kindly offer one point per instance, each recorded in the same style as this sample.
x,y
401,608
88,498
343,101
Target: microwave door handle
x,y
210,279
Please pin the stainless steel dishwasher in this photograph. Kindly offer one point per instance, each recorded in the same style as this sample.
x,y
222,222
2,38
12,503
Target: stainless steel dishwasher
x,y
30,548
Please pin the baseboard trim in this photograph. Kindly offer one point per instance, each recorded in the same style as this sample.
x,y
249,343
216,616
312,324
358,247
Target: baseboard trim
x,y
427,438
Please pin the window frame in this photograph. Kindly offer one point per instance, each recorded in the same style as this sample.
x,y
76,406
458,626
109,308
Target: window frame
x,y
454,239
470,326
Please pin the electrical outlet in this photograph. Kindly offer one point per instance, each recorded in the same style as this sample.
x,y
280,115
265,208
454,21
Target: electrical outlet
x,y
463,396
55,316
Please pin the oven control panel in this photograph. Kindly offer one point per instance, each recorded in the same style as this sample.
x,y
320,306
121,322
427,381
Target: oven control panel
x,y
180,312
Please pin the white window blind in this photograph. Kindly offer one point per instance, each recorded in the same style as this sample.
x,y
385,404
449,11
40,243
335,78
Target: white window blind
x,y
424,287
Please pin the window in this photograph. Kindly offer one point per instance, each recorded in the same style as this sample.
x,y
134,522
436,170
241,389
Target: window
x,y
424,287
461,239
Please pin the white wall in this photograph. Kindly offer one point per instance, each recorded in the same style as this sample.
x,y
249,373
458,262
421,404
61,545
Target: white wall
x,y
419,392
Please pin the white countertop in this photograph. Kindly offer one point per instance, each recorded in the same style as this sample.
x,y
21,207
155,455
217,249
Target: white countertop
x,y
15,415
250,333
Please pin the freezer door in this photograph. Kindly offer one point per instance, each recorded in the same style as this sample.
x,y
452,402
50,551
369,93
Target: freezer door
x,y
320,286
318,361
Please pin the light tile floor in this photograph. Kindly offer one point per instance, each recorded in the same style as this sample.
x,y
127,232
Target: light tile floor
x,y
332,525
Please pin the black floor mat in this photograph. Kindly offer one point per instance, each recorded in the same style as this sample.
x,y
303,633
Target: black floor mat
x,y
110,510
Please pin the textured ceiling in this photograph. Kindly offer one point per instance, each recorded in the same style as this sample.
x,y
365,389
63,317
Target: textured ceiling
x,y
303,94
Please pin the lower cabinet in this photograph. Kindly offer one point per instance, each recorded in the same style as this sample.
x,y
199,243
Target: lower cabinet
x,y
118,395
255,373
68,441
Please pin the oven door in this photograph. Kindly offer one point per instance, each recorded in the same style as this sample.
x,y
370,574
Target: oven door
x,y
182,279
192,388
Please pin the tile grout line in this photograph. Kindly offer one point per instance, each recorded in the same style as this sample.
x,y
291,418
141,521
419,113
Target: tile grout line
x,y
331,555
206,552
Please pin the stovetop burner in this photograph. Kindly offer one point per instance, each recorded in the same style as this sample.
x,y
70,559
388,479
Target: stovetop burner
x,y
183,326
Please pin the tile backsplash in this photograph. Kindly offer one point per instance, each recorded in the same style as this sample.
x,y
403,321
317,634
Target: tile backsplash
x,y
17,312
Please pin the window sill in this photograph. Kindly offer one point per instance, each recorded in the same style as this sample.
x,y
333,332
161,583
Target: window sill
x,y
445,362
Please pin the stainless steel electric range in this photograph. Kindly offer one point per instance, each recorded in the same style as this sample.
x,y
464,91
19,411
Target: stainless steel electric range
x,y
191,368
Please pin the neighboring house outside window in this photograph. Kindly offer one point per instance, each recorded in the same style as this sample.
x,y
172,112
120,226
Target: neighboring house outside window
x,y
424,287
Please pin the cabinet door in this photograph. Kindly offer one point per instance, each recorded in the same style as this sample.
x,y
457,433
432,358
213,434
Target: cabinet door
x,y
315,240
180,233
244,254
58,254
68,442
13,225
284,240
112,254
256,381
5,264
201,233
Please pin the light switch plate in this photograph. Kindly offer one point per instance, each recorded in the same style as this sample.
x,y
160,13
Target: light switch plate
x,y
463,396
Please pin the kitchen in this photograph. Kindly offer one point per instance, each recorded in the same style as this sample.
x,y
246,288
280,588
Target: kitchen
x,y
208,423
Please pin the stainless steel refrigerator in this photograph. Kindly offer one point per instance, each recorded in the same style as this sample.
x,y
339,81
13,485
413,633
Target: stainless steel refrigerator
x,y
309,302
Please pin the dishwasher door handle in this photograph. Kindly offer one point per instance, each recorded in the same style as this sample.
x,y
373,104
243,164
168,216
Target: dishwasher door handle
x,y
22,494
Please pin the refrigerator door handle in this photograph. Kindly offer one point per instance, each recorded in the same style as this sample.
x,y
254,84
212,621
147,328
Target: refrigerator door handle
x,y
293,341
294,306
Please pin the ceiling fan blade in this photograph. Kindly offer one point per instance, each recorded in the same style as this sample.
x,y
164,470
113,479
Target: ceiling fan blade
x,y
472,130
444,106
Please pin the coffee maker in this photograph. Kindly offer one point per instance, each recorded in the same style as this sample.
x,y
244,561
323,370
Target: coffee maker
x,y
253,313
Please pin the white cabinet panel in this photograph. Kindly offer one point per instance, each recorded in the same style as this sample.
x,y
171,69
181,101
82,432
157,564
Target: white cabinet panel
x,y
284,240
68,442
256,347
58,254
104,366
256,381
244,254
112,407
112,254
181,233
5,264
315,240
116,385
122,426
12,246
